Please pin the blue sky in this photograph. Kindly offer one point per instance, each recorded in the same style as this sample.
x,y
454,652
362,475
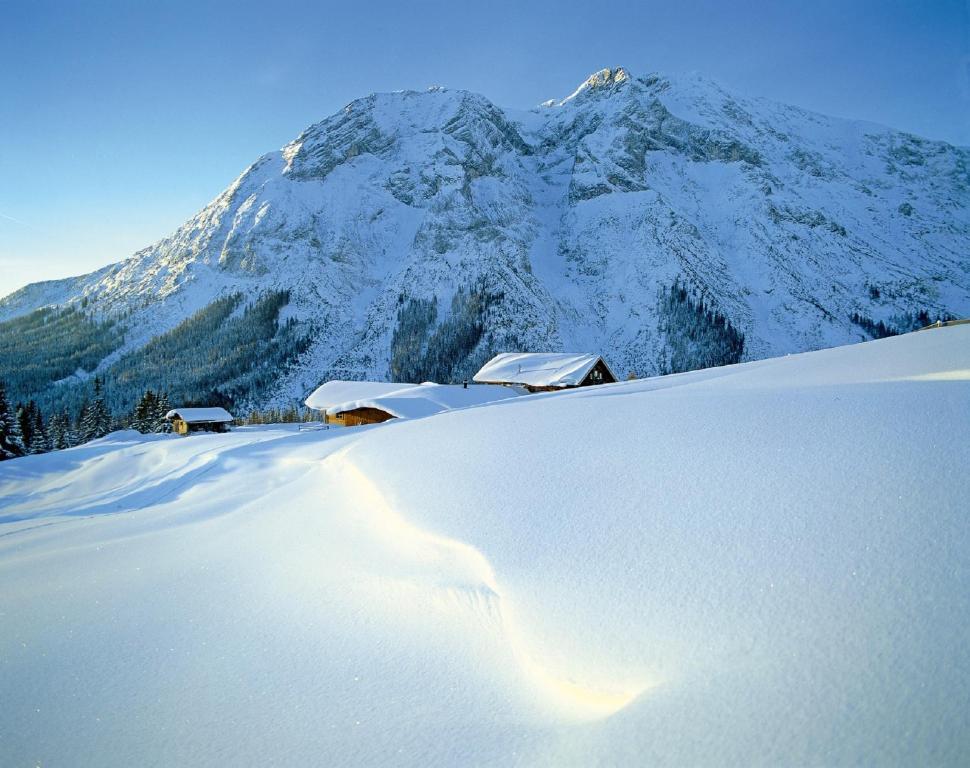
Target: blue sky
x,y
119,120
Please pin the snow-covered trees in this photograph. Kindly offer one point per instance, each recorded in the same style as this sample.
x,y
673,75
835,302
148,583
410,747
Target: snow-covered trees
x,y
149,414
8,449
228,352
904,323
60,434
51,344
223,354
421,351
33,434
95,418
695,334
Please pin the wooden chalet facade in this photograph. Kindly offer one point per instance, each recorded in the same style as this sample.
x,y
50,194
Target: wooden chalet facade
x,y
358,416
598,374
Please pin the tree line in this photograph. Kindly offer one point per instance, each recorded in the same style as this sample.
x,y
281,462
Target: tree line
x,y
25,431
903,323
696,334
422,349
229,352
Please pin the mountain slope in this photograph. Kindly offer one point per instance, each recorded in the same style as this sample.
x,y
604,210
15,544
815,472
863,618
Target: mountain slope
x,y
556,228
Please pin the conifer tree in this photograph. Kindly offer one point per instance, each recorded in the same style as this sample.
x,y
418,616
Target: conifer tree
x,y
144,416
39,442
70,433
7,420
85,424
162,407
25,421
95,417
16,435
57,429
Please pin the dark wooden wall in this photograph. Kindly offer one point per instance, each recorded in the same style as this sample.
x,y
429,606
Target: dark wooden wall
x,y
360,416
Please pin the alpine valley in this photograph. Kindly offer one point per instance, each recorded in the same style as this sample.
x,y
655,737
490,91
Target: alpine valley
x,y
663,222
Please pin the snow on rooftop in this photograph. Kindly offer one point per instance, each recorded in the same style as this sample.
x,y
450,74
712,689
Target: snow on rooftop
x,y
537,369
336,392
197,415
405,401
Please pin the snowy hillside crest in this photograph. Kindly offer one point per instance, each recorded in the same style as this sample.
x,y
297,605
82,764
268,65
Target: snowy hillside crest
x,y
598,81
432,229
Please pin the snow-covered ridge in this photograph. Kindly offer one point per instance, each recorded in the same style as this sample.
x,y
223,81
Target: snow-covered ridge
x,y
645,572
605,78
576,216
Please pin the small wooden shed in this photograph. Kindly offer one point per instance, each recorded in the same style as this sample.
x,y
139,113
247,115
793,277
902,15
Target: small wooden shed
x,y
546,371
186,420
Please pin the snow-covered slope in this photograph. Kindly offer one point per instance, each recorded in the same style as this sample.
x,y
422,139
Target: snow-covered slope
x,y
570,218
756,564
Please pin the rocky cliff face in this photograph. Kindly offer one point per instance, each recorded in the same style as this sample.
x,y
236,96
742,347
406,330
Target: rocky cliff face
x,y
441,227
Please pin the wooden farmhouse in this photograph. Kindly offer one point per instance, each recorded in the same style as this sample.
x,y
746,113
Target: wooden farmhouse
x,y
186,420
545,371
353,403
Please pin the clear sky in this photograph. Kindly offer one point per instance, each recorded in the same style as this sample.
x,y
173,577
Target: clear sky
x,y
119,120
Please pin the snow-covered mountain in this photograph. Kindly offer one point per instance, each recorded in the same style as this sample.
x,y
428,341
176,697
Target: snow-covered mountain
x,y
558,229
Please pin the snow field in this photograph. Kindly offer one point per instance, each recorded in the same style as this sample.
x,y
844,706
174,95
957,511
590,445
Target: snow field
x,y
760,564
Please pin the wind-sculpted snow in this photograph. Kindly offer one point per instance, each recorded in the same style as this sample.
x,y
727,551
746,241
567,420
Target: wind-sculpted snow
x,y
576,216
754,564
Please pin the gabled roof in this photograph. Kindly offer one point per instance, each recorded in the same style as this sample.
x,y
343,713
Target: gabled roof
x,y
337,392
539,369
199,415
405,401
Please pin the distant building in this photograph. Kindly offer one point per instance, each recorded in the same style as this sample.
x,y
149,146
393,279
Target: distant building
x,y
944,323
186,420
545,371
352,403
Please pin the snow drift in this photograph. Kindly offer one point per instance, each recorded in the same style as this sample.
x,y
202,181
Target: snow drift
x,y
758,564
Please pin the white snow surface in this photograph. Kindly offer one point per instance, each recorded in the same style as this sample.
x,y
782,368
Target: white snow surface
x,y
337,392
538,369
196,415
405,401
758,564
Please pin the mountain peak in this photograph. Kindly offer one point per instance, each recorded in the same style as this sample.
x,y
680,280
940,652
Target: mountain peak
x,y
600,81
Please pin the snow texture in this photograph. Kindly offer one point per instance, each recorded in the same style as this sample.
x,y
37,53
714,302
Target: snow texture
x,y
761,564
198,415
405,401
336,393
538,369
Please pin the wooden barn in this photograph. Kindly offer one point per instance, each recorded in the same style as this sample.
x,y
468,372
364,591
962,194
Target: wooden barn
x,y
355,417
545,371
187,420
351,403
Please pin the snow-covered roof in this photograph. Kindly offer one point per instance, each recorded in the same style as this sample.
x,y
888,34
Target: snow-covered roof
x,y
405,401
538,369
199,415
336,392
